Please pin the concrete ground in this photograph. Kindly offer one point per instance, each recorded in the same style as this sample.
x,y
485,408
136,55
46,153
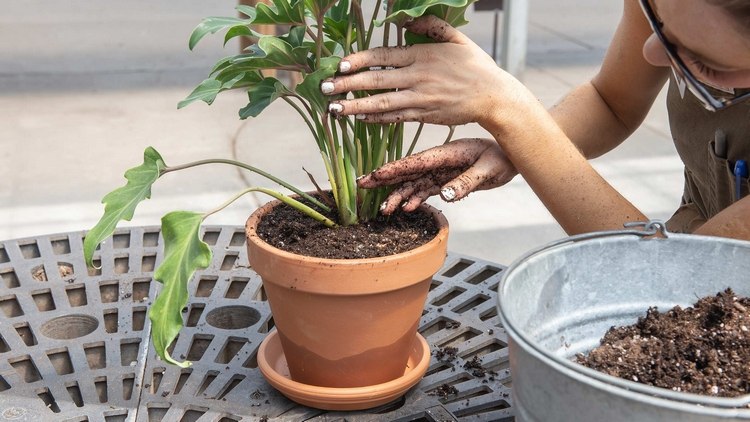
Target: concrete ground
x,y
86,86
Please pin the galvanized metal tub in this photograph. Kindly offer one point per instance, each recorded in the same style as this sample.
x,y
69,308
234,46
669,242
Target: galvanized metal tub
x,y
559,300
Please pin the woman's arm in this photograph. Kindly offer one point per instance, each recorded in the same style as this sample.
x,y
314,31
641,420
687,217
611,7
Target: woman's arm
x,y
598,115
546,148
733,221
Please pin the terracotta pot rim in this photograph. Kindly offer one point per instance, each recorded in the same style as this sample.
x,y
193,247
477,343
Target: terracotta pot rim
x,y
252,236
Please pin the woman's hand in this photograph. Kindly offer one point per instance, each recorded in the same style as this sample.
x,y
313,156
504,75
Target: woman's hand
x,y
451,82
452,170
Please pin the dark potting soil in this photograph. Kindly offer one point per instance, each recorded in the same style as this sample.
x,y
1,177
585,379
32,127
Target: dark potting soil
x,y
290,230
703,349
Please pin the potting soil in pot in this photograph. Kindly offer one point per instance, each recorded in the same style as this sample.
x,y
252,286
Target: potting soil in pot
x,y
290,230
703,349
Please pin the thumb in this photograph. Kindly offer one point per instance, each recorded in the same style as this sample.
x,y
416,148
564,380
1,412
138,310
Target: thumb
x,y
436,28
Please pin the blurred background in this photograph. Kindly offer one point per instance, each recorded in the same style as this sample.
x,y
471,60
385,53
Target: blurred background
x,y
86,86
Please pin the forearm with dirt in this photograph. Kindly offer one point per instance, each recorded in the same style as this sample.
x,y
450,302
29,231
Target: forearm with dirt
x,y
574,193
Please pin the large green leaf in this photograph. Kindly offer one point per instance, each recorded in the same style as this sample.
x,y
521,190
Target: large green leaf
x,y
212,25
184,253
319,6
406,9
336,22
208,89
281,12
455,16
262,95
309,88
336,30
272,53
120,204
295,37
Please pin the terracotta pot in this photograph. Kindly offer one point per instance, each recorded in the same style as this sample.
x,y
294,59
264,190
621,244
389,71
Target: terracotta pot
x,y
346,323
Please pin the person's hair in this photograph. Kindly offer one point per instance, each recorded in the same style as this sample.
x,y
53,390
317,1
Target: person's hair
x,y
737,9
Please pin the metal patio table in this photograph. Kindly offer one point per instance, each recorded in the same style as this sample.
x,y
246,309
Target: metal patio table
x,y
75,346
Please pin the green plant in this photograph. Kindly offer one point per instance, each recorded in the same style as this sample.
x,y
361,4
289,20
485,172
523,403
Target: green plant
x,y
320,32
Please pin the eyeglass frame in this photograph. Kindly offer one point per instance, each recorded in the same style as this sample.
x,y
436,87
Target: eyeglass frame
x,y
682,74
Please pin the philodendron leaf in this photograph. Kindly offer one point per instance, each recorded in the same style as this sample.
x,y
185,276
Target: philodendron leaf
x,y
261,95
455,16
406,9
229,78
281,12
309,88
184,253
206,91
271,53
214,24
320,6
120,204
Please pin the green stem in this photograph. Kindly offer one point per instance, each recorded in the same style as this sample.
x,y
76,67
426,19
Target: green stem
x,y
252,169
300,112
387,28
356,11
372,24
416,137
319,40
319,45
450,134
280,196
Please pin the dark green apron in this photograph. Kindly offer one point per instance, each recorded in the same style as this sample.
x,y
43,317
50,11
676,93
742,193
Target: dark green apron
x,y
709,175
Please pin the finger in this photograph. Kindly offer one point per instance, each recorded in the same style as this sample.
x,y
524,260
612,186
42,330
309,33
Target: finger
x,y
484,169
437,29
379,56
419,197
373,79
396,198
374,104
405,115
428,163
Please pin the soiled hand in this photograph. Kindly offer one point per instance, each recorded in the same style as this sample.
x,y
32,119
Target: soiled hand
x,y
452,170
451,82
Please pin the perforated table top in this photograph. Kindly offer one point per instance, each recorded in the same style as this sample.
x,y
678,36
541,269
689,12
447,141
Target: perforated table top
x,y
75,346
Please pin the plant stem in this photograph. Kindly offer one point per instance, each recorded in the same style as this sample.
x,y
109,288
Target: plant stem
x,y
252,169
372,24
451,129
285,199
299,110
387,28
414,140
319,39
322,46
356,11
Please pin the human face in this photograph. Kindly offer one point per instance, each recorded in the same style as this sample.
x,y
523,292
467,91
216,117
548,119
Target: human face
x,y
704,47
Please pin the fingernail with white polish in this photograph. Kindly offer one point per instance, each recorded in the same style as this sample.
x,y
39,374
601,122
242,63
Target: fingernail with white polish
x,y
335,108
448,194
326,87
383,205
344,66
360,116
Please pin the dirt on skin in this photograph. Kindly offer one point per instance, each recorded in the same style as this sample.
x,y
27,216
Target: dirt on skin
x,y
703,349
290,230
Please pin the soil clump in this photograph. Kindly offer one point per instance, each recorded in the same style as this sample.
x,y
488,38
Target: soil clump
x,y
703,349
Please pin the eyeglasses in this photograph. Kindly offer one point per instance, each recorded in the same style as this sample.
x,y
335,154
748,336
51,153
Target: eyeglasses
x,y
682,74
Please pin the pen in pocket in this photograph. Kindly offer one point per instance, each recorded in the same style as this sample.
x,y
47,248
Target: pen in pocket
x,y
720,143
740,171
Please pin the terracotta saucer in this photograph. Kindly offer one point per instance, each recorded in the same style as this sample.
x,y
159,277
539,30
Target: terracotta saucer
x,y
272,364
